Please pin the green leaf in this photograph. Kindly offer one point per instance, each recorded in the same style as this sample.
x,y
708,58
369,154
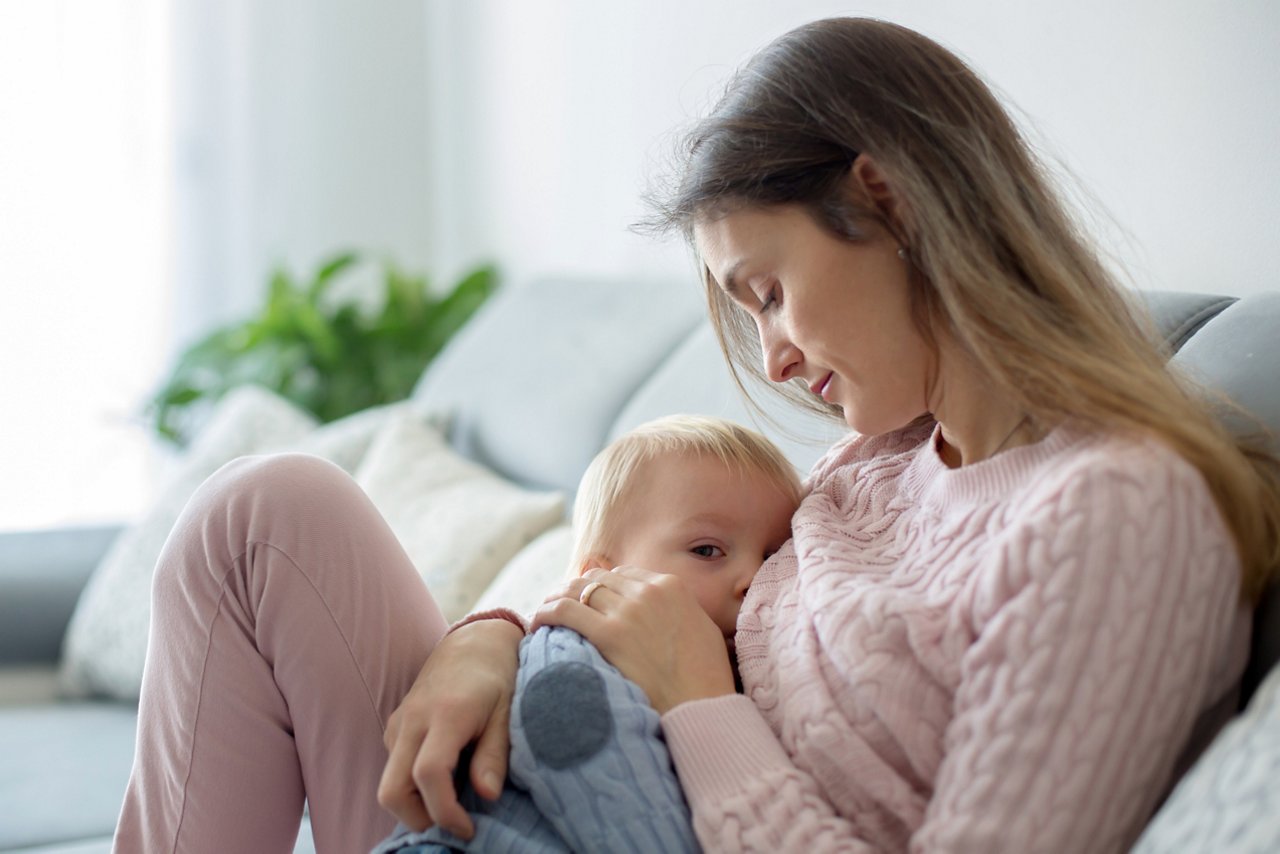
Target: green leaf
x,y
326,274
456,308
330,359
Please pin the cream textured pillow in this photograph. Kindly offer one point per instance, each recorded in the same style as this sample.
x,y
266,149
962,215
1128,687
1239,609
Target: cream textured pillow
x,y
539,568
1229,800
459,522
346,440
106,641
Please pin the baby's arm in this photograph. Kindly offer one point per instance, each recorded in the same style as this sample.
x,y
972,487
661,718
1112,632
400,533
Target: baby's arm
x,y
589,749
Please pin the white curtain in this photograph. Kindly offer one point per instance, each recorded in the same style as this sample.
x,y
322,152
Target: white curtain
x,y
157,158
84,161
301,130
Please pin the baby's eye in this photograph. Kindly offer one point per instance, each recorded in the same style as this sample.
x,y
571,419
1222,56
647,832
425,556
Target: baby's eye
x,y
707,551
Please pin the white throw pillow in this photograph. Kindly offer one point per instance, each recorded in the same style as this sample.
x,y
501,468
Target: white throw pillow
x,y
346,440
539,568
106,641
1229,800
459,522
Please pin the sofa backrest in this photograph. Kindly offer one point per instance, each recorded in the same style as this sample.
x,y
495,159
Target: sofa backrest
x,y
548,372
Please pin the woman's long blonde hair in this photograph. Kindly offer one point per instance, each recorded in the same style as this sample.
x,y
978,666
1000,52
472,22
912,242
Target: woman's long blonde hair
x,y
997,261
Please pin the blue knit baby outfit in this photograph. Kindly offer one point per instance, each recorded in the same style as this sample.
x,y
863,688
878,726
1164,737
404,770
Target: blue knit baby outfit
x,y
589,770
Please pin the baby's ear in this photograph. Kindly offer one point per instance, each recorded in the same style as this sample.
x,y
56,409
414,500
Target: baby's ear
x,y
594,562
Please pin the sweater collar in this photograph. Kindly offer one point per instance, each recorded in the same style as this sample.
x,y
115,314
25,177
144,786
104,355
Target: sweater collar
x,y
935,484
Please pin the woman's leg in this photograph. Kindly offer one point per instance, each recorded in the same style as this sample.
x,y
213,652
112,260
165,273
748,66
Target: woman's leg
x,y
287,624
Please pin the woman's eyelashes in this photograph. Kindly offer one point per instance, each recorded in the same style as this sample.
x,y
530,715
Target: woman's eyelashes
x,y
770,299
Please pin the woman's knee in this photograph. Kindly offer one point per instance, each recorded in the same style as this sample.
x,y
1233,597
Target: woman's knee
x,y
267,485
260,499
286,479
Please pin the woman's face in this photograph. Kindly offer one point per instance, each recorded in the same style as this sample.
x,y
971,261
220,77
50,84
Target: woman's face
x,y
833,313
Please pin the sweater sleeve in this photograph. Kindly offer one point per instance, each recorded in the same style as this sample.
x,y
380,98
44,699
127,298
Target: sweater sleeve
x,y
1099,628
745,792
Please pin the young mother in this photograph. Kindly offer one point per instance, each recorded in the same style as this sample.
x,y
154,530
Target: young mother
x,y
1013,596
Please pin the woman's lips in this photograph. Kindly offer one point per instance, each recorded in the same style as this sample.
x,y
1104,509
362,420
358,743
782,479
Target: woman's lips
x,y
820,388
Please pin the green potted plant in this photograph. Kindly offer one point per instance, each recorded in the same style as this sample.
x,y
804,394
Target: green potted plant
x,y
329,356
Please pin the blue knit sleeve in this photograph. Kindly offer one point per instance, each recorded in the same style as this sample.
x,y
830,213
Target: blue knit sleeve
x,y
588,747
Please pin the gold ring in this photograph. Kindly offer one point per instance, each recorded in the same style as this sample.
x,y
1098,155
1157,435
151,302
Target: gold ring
x,y
585,596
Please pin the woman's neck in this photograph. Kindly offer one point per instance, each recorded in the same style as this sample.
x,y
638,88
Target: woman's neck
x,y
976,423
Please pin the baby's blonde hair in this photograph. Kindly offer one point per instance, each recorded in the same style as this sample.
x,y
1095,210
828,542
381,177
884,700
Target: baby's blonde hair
x,y
611,474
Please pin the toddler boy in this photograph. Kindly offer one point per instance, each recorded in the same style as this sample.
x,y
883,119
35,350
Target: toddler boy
x,y
701,498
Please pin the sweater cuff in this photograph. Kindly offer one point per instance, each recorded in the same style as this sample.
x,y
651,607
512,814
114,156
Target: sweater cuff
x,y
492,614
720,743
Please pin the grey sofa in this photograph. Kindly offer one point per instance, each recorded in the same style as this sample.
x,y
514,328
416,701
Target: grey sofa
x,y
539,381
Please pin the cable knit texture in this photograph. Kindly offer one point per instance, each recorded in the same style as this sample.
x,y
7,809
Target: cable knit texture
x,y
1007,656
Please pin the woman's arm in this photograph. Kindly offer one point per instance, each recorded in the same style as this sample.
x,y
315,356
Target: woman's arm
x,y
462,695
744,791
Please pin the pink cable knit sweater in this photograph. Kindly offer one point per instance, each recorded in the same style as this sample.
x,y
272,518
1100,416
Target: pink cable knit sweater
x,y
1007,656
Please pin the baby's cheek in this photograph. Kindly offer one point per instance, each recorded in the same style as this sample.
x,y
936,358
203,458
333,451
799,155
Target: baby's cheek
x,y
729,622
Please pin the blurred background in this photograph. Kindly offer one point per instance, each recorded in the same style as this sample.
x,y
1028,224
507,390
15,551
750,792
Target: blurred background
x,y
158,158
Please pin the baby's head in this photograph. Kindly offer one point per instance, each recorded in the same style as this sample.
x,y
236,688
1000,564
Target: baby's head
x,y
701,498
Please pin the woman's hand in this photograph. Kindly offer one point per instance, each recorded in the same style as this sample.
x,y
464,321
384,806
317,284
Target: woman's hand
x,y
651,628
463,694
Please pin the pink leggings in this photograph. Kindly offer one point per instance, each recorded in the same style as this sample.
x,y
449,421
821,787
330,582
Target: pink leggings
x,y
287,624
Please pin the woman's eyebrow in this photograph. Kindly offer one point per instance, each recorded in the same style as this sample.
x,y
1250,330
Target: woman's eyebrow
x,y
730,283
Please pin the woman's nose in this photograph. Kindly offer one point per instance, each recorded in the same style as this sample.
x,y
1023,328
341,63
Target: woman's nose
x,y
781,358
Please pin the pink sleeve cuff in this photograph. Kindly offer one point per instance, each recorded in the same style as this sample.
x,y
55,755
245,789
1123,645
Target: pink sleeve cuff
x,y
720,744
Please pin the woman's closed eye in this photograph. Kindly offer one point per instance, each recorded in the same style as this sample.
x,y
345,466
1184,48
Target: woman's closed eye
x,y
770,299
707,551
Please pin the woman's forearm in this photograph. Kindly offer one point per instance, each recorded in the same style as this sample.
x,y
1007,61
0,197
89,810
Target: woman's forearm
x,y
745,792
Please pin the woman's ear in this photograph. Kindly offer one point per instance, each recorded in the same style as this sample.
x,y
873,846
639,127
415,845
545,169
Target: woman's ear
x,y
871,182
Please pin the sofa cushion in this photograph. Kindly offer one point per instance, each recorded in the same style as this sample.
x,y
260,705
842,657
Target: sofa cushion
x,y
42,574
531,575
1229,800
1234,353
458,522
534,380
65,770
695,379
106,642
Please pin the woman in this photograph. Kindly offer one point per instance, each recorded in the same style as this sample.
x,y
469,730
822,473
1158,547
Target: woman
x,y
1010,594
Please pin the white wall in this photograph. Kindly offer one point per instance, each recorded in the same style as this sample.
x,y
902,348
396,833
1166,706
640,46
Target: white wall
x,y
552,112
300,131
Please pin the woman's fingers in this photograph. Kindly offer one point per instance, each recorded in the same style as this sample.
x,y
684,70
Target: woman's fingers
x,y
651,628
625,580
462,695
572,614
433,773
489,761
397,791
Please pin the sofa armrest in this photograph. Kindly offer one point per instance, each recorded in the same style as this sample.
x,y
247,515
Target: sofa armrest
x,y
41,576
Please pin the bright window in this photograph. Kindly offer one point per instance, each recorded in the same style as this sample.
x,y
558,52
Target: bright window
x,y
85,160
